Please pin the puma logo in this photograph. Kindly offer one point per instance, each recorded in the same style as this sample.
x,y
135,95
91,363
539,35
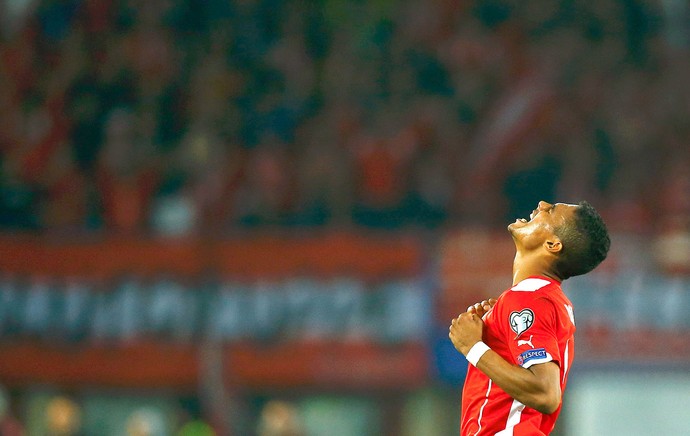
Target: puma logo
x,y
526,342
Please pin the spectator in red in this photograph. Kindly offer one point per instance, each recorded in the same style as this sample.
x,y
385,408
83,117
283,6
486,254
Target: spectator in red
x,y
126,177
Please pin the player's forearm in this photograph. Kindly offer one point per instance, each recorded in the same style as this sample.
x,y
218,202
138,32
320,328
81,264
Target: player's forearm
x,y
537,387
530,388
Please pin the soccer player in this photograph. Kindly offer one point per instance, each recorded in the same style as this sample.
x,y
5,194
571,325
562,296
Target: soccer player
x,y
520,350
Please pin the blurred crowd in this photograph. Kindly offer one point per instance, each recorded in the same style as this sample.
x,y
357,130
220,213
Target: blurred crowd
x,y
58,414
63,415
184,117
180,117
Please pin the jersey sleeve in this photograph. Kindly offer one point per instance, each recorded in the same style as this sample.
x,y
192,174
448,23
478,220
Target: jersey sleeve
x,y
530,327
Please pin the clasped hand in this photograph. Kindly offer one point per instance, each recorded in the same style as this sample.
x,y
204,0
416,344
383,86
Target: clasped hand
x,y
467,329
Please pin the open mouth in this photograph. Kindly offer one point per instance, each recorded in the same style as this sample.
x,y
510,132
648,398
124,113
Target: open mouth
x,y
534,213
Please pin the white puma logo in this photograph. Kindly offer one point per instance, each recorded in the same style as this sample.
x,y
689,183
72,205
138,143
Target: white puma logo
x,y
526,342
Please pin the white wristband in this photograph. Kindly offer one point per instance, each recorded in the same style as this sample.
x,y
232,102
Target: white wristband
x,y
476,352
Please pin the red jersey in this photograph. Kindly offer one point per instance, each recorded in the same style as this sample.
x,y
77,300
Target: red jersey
x,y
531,323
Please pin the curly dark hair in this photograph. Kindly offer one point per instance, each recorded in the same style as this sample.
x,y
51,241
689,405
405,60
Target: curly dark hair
x,y
585,241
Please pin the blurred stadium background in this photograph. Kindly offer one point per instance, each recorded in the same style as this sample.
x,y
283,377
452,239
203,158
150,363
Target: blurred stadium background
x,y
256,217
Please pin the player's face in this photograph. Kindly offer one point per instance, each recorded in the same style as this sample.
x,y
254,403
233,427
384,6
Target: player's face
x,y
542,222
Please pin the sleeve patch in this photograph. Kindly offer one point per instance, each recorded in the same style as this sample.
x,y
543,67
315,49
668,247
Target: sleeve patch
x,y
537,355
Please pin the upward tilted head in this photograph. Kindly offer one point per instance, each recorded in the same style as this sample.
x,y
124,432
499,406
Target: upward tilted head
x,y
573,237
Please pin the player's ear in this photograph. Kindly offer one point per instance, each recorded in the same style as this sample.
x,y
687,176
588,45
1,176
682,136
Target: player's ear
x,y
553,245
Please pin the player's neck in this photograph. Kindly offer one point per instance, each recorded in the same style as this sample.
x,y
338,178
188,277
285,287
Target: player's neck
x,y
530,265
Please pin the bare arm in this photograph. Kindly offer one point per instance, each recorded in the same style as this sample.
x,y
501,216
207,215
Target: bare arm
x,y
537,387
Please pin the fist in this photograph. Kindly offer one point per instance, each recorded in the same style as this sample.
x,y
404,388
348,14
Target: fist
x,y
465,331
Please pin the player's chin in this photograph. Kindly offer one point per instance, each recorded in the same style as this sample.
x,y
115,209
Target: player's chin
x,y
514,226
